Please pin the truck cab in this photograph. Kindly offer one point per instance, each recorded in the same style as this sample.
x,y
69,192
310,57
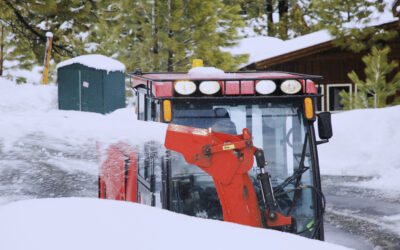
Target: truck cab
x,y
277,108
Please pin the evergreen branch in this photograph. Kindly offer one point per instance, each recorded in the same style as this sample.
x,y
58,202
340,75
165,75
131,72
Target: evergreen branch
x,y
24,22
41,37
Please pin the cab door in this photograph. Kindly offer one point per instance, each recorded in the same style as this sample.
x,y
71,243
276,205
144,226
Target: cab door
x,y
149,162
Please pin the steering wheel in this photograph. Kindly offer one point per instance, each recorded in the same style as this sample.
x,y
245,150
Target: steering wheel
x,y
287,138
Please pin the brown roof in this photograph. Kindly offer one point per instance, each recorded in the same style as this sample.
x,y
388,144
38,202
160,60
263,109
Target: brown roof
x,y
312,50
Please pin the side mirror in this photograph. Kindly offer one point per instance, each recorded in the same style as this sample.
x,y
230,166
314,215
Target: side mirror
x,y
324,125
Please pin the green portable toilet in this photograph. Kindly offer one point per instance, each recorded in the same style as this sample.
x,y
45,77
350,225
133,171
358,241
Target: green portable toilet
x,y
94,83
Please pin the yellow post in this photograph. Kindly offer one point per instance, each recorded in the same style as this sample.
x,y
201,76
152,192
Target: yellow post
x,y
197,63
47,56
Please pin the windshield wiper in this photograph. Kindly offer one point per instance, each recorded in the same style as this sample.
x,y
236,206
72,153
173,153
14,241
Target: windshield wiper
x,y
296,177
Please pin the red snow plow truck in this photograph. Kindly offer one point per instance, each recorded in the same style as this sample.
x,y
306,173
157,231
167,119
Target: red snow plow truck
x,y
240,147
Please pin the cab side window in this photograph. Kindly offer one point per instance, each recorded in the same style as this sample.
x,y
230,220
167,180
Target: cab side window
x,y
141,105
147,108
149,112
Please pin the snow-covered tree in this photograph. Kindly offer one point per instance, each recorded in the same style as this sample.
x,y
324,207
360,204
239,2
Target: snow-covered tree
x,y
351,22
284,19
29,21
166,35
374,91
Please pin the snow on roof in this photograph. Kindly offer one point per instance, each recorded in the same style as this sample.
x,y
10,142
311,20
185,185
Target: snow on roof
x,y
95,61
200,71
262,48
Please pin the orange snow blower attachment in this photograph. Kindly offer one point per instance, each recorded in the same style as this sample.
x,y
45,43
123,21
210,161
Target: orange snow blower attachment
x,y
228,158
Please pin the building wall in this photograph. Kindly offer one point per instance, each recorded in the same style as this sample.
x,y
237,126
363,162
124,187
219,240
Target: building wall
x,y
333,64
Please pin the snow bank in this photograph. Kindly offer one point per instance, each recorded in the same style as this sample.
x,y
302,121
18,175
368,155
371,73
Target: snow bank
x,y
365,143
12,70
95,61
32,109
78,128
79,223
26,97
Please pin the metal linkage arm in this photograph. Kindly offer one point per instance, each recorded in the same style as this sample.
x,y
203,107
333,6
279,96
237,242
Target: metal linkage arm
x,y
227,158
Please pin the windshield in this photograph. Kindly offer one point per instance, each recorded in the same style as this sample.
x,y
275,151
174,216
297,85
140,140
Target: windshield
x,y
276,127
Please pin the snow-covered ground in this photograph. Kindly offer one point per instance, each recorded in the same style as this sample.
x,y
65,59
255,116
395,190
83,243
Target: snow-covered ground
x,y
38,138
83,223
365,143
32,109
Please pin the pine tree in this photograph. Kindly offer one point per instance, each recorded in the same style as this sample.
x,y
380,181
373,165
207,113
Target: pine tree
x,y
29,21
375,90
166,35
284,19
349,22
72,22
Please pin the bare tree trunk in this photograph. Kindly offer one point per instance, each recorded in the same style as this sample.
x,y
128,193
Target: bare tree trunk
x,y
154,66
269,9
170,67
1,48
283,8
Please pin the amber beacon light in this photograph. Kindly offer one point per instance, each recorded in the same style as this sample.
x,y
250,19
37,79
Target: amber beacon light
x,y
308,108
167,111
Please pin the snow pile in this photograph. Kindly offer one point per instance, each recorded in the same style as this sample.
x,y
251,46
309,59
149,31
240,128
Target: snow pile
x,y
204,71
78,223
95,61
26,97
365,143
32,109
13,71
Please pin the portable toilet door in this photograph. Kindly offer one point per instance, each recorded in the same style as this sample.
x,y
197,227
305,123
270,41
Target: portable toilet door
x,y
89,83
91,86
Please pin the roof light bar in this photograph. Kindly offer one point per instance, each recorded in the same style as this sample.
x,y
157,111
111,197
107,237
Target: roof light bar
x,y
265,87
185,87
209,87
290,87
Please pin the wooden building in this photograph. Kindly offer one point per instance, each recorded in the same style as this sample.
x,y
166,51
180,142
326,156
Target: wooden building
x,y
331,62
